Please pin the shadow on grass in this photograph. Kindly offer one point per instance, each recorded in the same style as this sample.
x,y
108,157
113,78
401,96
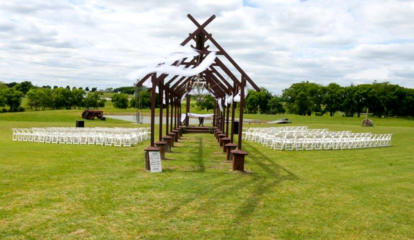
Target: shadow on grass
x,y
274,169
261,185
198,159
258,184
205,191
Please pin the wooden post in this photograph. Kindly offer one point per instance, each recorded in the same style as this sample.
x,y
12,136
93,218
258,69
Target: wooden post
x,y
160,100
214,114
167,106
153,79
233,110
227,120
188,110
161,144
242,101
223,115
239,154
152,147
231,146
172,112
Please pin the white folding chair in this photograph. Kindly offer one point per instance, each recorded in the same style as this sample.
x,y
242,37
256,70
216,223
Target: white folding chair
x,y
308,143
109,137
76,137
127,139
298,144
100,137
91,137
289,143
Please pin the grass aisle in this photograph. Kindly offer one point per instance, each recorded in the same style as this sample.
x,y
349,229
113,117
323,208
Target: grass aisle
x,y
67,191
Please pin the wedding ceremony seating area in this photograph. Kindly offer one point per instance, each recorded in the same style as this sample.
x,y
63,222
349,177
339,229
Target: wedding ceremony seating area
x,y
118,137
301,138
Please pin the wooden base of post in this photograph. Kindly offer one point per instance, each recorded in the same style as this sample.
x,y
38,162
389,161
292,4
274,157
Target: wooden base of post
x,y
177,135
230,147
172,135
216,132
147,150
224,141
180,129
220,137
162,145
169,141
238,160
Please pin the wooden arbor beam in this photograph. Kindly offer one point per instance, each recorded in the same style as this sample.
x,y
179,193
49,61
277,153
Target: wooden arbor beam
x,y
222,51
199,29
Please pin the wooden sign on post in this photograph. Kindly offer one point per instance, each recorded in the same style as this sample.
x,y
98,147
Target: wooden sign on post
x,y
155,161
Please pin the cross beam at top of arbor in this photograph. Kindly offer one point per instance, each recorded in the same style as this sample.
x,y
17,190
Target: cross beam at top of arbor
x,y
176,87
201,34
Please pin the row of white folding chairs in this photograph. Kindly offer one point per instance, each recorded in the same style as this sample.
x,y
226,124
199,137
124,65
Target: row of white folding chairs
x,y
329,142
262,135
252,133
99,136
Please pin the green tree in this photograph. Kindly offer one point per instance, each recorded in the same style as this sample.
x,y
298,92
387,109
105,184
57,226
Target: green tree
x,y
78,96
252,102
109,90
313,92
3,88
45,98
101,103
360,96
11,85
331,99
276,105
24,87
120,100
207,103
256,100
13,98
346,96
92,100
302,106
126,90
145,99
391,98
62,97
132,103
33,98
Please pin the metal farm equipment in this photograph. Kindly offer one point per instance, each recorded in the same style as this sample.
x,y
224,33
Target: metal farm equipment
x,y
91,114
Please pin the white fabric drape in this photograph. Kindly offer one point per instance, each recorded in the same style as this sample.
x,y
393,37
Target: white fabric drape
x,y
229,99
184,95
183,117
237,97
219,103
200,115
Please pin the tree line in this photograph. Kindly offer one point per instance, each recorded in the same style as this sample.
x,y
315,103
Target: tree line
x,y
40,98
382,99
46,97
305,98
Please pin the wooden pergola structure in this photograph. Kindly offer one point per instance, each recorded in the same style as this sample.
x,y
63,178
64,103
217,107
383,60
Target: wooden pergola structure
x,y
175,87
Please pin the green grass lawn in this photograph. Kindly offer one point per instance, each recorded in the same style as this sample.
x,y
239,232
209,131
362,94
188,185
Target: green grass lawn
x,y
76,192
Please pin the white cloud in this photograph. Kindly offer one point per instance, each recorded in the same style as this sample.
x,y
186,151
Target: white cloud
x,y
277,42
379,74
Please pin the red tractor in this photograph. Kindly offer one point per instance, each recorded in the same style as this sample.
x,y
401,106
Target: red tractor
x,y
91,114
